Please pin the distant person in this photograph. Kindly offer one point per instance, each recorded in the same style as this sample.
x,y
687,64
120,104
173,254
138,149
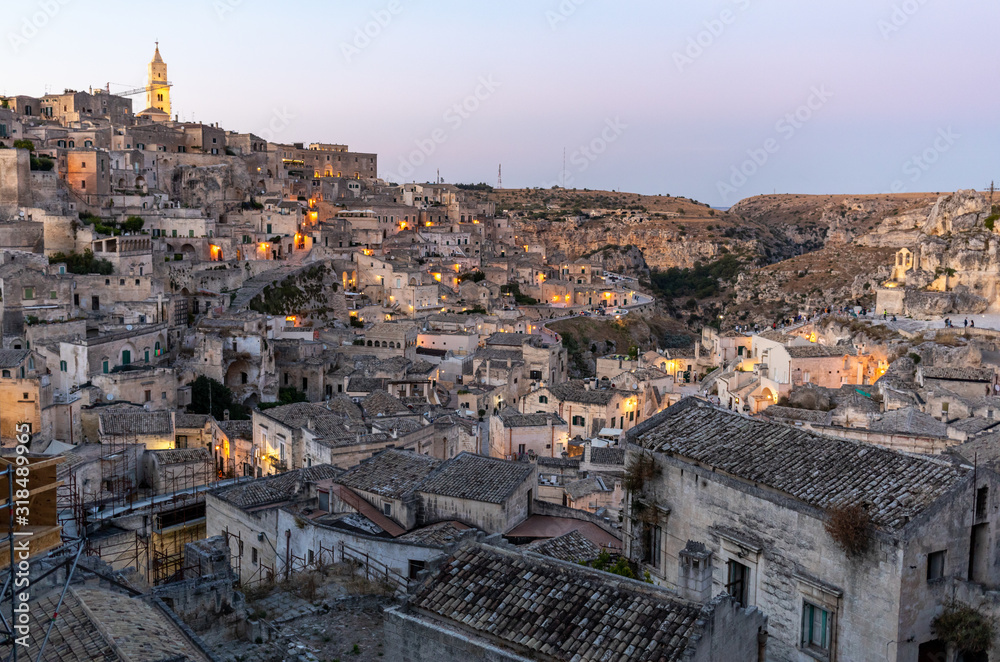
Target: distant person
x,y
966,323
972,323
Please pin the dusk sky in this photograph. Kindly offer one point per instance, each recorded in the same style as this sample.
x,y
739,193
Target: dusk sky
x,y
649,97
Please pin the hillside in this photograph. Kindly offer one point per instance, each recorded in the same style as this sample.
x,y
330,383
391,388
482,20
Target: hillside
x,y
798,252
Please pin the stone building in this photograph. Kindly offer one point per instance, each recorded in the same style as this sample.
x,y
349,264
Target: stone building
x,y
588,407
471,606
25,395
513,434
731,504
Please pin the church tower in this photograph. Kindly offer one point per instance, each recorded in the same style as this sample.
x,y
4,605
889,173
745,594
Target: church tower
x,y
157,87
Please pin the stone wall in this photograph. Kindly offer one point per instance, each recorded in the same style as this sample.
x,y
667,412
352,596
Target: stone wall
x,y
15,181
790,555
411,639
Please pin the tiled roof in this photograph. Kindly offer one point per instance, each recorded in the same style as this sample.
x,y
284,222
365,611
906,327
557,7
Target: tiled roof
x,y
101,625
299,414
185,420
366,384
182,455
381,402
476,477
392,473
508,339
512,418
493,354
134,421
576,392
819,471
274,489
577,489
401,424
957,374
792,414
909,420
11,358
572,547
607,455
238,429
439,534
556,610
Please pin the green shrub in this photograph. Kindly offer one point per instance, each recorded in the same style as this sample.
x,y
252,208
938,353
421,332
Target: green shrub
x,y
83,264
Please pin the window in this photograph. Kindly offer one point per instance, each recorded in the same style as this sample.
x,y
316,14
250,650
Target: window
x,y
935,565
982,497
651,545
29,293
149,396
324,501
6,374
105,367
62,366
52,294
416,567
535,374
738,582
126,357
816,629
543,399
387,509
579,420
253,555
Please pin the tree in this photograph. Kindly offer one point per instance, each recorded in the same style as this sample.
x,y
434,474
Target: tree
x,y
83,264
133,224
24,144
211,397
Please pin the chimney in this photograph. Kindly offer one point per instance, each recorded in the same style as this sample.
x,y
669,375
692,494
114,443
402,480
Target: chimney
x,y
225,414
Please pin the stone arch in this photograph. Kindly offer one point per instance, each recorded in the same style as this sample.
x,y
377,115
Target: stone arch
x,y
187,249
369,344
239,373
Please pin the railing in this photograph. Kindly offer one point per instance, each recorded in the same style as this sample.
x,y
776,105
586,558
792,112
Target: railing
x,y
374,570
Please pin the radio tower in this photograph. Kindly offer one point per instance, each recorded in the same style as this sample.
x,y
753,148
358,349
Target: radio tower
x,y
500,177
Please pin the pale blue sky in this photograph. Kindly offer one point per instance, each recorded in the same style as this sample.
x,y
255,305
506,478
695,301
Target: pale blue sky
x,y
559,75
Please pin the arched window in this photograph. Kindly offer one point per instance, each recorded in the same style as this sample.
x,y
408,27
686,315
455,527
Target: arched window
x,y
369,343
6,374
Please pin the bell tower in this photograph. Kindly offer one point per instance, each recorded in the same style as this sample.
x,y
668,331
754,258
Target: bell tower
x,y
158,86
